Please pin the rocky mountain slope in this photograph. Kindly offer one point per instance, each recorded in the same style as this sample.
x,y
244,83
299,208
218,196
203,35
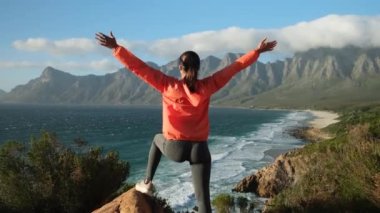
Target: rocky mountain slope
x,y
316,78
326,77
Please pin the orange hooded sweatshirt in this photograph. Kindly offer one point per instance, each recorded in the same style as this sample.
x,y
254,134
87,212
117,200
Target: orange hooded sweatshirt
x,y
184,114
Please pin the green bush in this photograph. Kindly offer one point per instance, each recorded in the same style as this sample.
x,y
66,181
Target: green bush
x,y
45,176
226,203
223,203
242,203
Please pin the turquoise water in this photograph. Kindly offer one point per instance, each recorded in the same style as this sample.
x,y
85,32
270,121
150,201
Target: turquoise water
x,y
238,139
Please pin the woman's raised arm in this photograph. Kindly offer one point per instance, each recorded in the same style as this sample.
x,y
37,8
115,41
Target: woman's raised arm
x,y
153,77
221,77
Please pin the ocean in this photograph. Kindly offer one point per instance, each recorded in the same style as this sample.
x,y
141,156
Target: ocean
x,y
239,140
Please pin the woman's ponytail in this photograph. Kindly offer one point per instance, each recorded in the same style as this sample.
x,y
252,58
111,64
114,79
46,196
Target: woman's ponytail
x,y
190,79
190,63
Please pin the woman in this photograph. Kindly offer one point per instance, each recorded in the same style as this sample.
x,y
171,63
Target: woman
x,y
185,104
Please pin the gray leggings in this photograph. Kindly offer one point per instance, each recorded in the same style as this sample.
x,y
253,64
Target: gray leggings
x,y
196,153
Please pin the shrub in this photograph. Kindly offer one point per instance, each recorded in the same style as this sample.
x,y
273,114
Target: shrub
x,y
242,204
45,176
223,203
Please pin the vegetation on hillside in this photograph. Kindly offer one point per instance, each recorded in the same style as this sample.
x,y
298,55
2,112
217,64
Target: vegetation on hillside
x,y
331,94
343,173
45,176
227,203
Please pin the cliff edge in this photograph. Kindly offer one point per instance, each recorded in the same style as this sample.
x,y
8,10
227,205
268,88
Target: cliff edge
x,y
270,180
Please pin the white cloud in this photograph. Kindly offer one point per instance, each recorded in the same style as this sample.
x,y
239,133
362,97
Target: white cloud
x,y
99,65
103,64
329,31
72,46
32,44
5,65
232,39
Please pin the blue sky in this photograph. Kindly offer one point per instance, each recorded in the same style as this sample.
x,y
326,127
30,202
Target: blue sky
x,y
35,34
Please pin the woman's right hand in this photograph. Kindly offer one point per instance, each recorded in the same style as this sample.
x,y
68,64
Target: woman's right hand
x,y
265,46
106,41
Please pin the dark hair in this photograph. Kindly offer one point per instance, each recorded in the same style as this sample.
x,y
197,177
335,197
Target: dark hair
x,y
190,62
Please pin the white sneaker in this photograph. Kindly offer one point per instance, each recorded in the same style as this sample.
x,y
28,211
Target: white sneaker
x,y
146,188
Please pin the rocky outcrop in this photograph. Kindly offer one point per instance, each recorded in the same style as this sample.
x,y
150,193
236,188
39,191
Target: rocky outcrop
x,y
270,180
310,134
132,201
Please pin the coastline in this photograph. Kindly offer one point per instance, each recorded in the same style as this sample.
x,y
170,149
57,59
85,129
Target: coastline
x,y
312,178
312,132
322,118
271,179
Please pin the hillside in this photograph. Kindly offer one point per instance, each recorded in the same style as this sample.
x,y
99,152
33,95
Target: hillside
x,y
326,78
318,78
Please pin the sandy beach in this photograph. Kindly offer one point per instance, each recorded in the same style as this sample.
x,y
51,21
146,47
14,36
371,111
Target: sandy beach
x,y
323,118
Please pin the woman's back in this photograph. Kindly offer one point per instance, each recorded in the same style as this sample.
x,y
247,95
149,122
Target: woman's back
x,y
185,113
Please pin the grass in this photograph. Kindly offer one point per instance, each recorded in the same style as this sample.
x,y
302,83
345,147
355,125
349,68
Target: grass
x,y
343,174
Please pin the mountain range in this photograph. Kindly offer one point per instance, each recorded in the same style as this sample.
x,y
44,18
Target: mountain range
x,y
322,77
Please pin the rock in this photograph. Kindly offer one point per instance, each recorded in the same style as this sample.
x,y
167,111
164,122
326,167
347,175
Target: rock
x,y
131,201
309,134
270,180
